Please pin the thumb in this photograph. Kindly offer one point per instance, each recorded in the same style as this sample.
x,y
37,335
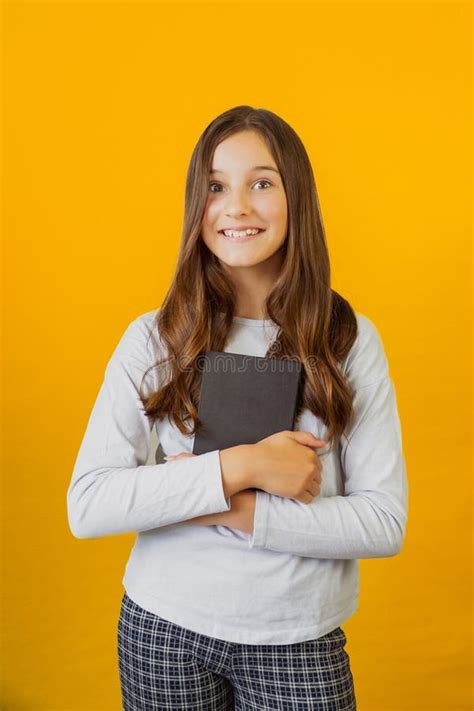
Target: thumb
x,y
307,438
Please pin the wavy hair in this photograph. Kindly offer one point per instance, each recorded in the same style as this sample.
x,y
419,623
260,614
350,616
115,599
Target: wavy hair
x,y
315,324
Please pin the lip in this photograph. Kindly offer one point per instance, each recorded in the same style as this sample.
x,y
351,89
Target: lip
x,y
242,227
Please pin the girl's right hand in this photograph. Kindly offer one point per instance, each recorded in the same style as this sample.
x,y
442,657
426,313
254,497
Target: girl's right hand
x,y
286,464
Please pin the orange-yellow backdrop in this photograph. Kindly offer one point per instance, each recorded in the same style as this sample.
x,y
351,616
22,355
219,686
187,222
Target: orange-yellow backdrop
x,y
103,103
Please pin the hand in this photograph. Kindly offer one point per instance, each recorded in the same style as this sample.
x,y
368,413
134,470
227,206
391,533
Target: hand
x,y
286,465
243,510
170,457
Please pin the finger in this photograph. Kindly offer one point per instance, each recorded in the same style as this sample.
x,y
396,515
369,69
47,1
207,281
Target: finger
x,y
169,457
313,489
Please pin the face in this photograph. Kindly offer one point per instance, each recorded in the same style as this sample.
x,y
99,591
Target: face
x,y
241,194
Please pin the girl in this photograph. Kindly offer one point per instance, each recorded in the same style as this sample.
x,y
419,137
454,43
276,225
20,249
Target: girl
x,y
246,560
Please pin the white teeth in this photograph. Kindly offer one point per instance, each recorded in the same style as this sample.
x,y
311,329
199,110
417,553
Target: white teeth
x,y
242,233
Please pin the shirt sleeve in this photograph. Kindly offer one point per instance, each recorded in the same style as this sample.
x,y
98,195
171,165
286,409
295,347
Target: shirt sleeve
x,y
112,490
369,521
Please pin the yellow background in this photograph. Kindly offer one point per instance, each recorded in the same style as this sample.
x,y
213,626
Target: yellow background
x,y
103,104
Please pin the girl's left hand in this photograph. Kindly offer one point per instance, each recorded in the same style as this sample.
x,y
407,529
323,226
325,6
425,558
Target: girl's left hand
x,y
179,456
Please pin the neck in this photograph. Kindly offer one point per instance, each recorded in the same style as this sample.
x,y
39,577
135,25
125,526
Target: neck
x,y
252,286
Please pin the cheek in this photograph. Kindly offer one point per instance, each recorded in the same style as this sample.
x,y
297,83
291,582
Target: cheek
x,y
276,211
211,213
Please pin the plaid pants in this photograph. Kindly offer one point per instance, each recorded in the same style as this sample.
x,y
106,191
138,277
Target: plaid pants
x,y
165,666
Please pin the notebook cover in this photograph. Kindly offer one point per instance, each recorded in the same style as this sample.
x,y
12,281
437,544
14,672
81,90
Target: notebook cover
x,y
244,399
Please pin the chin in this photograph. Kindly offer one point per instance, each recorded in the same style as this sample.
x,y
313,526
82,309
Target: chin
x,y
239,261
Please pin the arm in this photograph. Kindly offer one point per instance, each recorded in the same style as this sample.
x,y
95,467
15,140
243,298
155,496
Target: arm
x,y
370,520
241,514
112,490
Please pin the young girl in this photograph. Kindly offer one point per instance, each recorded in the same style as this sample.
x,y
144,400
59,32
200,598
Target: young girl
x,y
246,560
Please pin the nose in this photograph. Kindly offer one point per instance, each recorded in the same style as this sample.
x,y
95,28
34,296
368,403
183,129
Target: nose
x,y
237,203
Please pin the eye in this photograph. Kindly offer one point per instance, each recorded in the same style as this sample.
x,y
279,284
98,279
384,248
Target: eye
x,y
263,180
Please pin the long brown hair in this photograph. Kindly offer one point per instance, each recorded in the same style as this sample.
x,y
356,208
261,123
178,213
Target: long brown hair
x,y
315,324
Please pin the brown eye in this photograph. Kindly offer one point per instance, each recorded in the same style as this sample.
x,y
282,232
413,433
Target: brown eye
x,y
263,181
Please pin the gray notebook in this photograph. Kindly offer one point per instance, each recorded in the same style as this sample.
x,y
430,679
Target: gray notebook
x,y
244,399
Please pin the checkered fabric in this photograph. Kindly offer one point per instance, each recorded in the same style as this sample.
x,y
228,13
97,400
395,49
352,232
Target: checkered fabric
x,y
165,666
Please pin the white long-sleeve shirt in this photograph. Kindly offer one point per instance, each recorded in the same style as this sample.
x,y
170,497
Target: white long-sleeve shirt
x,y
296,576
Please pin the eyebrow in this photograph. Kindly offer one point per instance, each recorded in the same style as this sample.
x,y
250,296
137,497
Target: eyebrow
x,y
256,167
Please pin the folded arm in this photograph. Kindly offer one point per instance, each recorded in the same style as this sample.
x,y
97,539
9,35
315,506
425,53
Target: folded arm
x,y
112,490
369,521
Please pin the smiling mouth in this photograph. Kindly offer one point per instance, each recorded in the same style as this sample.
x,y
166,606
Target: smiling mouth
x,y
241,238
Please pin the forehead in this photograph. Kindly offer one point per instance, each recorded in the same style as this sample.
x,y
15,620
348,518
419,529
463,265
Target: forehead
x,y
242,153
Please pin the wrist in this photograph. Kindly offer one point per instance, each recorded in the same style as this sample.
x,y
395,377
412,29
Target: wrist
x,y
237,468
250,466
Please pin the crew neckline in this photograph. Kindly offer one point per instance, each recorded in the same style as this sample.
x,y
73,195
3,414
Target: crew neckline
x,y
256,322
